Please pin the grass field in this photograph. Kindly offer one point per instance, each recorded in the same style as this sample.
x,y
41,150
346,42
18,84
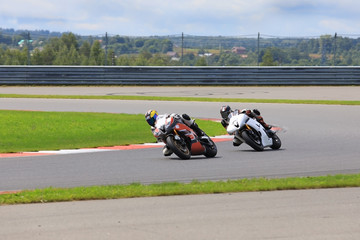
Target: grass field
x,y
197,99
175,188
33,131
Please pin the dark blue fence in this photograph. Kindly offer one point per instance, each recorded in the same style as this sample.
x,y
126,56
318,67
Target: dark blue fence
x,y
140,75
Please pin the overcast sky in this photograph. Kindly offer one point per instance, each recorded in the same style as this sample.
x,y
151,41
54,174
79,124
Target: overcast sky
x,y
195,17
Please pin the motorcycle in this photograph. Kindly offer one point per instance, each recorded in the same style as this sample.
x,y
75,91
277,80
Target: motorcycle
x,y
182,140
248,130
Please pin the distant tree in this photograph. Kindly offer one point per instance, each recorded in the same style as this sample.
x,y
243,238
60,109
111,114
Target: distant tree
x,y
294,54
15,57
84,53
55,44
201,51
166,46
139,43
69,40
280,56
85,49
314,46
229,59
145,54
267,59
151,49
325,48
118,39
96,54
348,60
48,55
5,39
110,55
345,44
2,53
159,60
67,56
37,58
201,62
122,48
124,60
189,59
141,60
74,56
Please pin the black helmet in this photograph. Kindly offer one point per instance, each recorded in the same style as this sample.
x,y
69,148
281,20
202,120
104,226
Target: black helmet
x,y
151,117
225,111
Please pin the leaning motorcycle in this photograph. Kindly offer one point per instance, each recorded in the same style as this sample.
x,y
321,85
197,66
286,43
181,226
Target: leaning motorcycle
x,y
251,132
182,140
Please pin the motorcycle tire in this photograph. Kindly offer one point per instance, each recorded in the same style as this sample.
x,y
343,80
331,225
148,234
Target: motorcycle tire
x,y
181,150
251,141
211,149
276,142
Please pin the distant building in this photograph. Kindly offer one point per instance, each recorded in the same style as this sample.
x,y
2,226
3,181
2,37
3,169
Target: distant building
x,y
205,55
173,55
238,50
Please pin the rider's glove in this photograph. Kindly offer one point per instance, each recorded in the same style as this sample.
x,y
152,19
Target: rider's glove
x,y
256,111
162,128
224,123
186,117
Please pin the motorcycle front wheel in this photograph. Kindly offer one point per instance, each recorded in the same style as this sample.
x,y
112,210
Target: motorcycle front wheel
x,y
179,148
276,142
252,140
211,149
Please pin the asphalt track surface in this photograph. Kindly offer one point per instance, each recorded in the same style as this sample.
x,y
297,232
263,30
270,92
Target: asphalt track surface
x,y
317,140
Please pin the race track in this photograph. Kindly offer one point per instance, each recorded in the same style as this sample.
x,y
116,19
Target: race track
x,y
317,140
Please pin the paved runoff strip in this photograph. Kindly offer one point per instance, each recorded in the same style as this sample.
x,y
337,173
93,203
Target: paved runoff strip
x,y
99,149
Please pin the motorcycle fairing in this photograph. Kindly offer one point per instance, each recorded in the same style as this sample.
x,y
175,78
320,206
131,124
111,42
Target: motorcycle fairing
x,y
239,121
195,146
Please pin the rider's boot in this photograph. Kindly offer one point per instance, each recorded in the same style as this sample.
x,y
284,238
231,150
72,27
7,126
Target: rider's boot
x,y
270,132
192,125
236,142
197,130
167,151
267,127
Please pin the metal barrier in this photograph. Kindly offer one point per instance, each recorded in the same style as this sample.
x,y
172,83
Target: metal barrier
x,y
143,75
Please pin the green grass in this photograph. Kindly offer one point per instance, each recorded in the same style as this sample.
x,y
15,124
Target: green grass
x,y
197,99
175,188
33,131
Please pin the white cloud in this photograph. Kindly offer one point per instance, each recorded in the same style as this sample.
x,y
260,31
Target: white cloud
x,y
202,17
338,25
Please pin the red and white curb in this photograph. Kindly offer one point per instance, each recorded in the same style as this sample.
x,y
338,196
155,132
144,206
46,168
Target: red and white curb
x,y
99,149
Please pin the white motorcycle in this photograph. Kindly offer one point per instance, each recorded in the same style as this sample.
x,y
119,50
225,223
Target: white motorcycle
x,y
247,130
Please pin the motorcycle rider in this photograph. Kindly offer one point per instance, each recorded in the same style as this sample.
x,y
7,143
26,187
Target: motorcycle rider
x,y
255,113
152,116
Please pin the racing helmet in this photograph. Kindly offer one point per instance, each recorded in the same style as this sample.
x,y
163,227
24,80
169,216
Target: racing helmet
x,y
225,111
151,117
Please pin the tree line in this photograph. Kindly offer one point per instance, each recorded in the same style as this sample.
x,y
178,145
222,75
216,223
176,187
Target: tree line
x,y
71,49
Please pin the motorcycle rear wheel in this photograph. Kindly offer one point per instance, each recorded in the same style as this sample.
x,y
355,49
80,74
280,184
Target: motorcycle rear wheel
x,y
181,150
251,141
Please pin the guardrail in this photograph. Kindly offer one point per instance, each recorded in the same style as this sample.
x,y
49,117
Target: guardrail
x,y
141,75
